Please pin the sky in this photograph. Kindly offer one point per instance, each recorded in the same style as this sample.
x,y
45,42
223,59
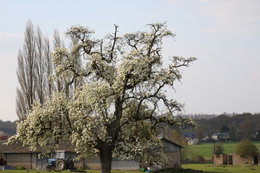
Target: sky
x,y
224,35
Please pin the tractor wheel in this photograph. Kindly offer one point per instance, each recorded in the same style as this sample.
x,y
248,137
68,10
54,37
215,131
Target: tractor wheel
x,y
60,165
70,164
48,168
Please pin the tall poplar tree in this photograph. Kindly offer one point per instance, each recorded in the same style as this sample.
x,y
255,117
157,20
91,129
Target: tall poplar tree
x,y
26,73
34,68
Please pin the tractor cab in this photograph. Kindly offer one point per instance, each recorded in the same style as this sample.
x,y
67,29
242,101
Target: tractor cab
x,y
62,154
60,160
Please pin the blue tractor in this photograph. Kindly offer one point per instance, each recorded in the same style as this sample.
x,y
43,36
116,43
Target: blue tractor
x,y
60,160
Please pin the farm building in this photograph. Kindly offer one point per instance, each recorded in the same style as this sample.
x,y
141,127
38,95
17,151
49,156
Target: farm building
x,y
221,136
16,155
235,159
173,151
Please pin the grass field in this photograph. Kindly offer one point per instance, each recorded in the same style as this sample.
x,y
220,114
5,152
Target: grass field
x,y
207,168
87,171
205,149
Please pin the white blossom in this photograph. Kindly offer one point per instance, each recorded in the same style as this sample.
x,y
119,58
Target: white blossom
x,y
117,107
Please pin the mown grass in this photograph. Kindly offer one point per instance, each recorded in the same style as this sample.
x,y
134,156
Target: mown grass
x,y
205,149
207,168
187,168
87,171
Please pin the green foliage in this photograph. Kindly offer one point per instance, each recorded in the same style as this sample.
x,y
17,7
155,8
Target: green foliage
x,y
246,148
218,148
197,159
19,168
207,168
225,128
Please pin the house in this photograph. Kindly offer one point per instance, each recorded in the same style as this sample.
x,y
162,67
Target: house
x,y
205,137
220,136
189,135
214,136
235,159
193,141
16,155
3,136
191,138
257,135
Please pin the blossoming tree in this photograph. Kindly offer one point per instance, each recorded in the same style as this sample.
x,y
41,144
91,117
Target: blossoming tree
x,y
115,112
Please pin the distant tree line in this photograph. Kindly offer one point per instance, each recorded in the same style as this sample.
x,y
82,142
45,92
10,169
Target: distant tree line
x,y
242,126
239,126
8,127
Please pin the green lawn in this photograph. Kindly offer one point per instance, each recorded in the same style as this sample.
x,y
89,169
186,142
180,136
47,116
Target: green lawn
x,y
187,168
87,171
205,149
207,168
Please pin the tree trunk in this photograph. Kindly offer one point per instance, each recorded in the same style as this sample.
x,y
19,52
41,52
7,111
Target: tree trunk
x,y
106,159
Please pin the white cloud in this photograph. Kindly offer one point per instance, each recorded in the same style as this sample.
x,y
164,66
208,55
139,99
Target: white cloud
x,y
232,16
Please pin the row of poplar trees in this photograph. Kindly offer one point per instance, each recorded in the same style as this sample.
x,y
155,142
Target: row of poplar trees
x,y
36,74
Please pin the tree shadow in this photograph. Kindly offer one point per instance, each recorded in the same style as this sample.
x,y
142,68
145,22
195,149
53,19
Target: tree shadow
x,y
216,172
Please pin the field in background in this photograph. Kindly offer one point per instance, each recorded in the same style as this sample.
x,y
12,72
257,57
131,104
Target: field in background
x,y
205,149
207,168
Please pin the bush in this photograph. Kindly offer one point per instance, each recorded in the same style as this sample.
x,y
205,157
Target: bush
x,y
246,148
218,149
185,153
19,168
197,159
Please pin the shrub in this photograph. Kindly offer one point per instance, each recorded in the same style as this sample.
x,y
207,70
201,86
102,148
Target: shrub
x,y
198,159
246,148
19,168
218,149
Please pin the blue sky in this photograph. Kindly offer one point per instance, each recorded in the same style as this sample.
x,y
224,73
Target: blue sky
x,y
223,34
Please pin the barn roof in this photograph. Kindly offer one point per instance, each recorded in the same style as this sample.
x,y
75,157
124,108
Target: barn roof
x,y
12,148
167,140
18,148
